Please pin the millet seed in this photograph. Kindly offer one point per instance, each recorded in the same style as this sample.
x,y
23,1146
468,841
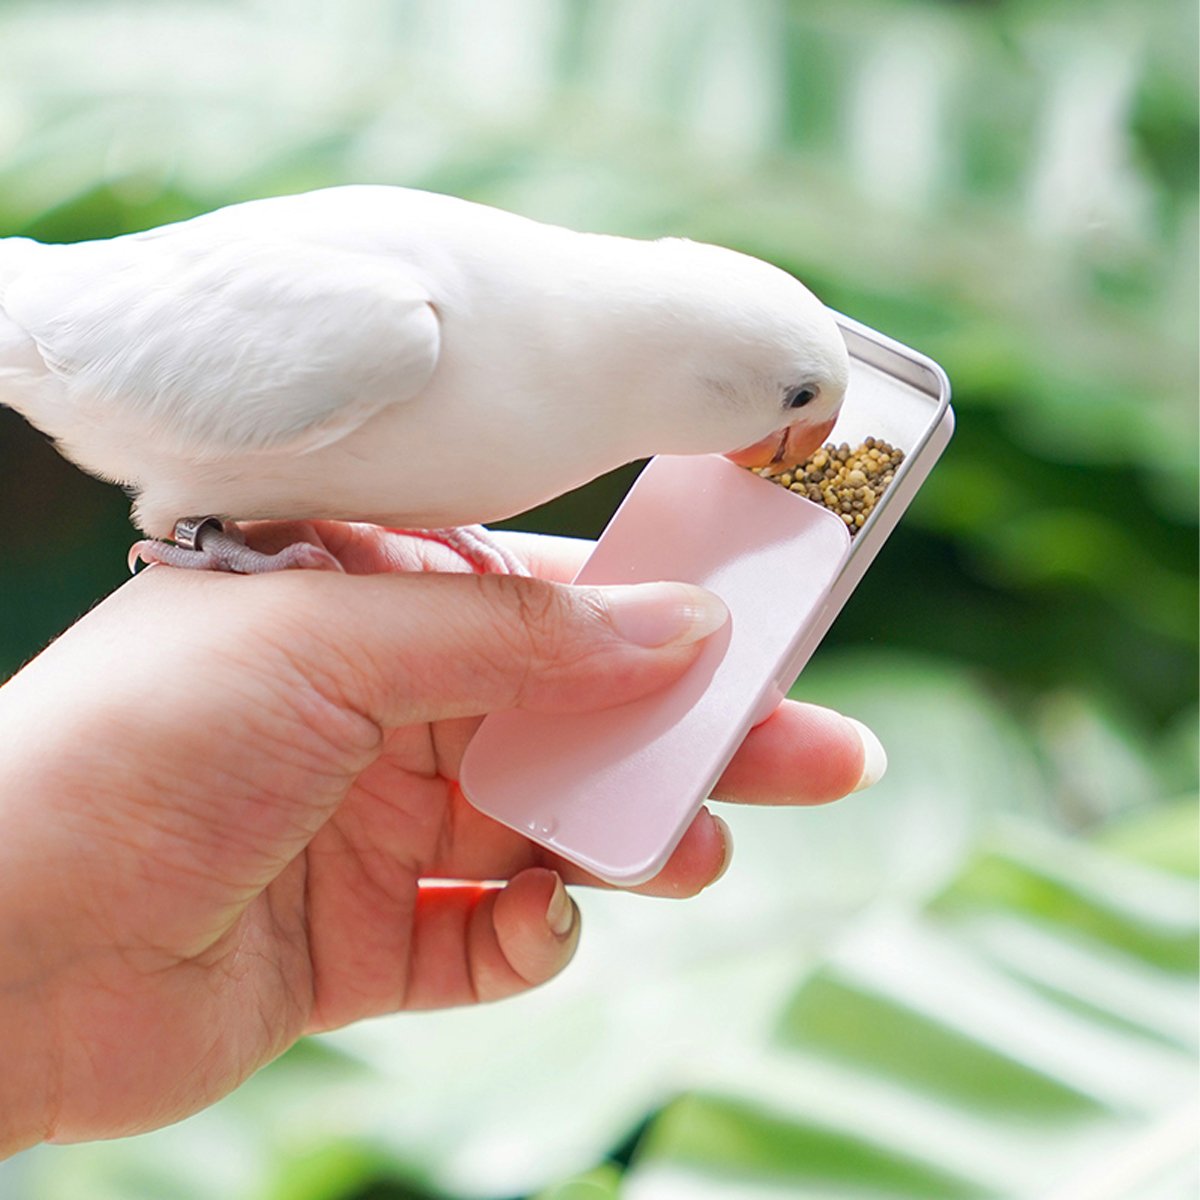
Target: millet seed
x,y
848,482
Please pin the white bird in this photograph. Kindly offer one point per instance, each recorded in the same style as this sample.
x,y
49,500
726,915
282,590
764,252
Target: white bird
x,y
401,357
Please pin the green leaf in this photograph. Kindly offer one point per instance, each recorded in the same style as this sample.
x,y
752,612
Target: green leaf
x,y
1166,837
1114,904
336,1169
745,1144
885,1038
603,1183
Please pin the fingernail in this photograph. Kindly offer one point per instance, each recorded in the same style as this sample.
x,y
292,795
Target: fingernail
x,y
727,842
874,757
662,614
560,912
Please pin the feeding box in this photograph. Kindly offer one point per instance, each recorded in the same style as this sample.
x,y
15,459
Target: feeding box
x,y
615,790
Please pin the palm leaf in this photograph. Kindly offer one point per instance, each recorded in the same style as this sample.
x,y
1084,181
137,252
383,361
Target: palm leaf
x,y
1032,1031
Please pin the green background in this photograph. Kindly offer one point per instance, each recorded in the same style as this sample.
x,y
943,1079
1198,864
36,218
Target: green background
x,y
976,979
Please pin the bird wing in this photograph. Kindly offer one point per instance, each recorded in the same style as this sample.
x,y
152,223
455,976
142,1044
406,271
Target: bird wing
x,y
210,348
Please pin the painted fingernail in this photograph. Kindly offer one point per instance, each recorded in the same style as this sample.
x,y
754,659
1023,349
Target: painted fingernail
x,y
560,912
663,614
874,757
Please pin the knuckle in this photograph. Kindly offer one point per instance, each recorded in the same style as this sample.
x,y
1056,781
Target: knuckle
x,y
539,610
537,629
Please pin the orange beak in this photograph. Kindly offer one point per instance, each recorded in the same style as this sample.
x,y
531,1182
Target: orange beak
x,y
784,448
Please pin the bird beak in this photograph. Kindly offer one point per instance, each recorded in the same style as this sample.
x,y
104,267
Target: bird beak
x,y
784,448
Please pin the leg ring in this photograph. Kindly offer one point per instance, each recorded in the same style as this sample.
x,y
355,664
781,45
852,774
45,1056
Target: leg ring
x,y
189,529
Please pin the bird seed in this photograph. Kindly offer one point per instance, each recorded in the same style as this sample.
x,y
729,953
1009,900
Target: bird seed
x,y
848,482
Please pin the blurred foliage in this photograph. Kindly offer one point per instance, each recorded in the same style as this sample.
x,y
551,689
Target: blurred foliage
x,y
1009,186
996,1013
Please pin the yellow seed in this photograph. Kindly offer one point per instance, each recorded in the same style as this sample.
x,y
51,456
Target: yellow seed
x,y
847,481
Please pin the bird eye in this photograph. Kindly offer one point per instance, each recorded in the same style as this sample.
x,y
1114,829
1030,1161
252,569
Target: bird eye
x,y
799,397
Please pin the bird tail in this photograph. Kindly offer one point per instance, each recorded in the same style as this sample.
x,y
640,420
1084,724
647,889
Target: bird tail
x,y
24,377
19,357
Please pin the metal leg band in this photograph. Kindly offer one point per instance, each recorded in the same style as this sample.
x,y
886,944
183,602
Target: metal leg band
x,y
189,529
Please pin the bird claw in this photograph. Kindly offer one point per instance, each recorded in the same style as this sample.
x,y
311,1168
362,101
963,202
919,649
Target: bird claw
x,y
136,556
475,545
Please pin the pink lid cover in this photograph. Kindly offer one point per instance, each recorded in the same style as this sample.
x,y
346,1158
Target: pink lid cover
x,y
615,790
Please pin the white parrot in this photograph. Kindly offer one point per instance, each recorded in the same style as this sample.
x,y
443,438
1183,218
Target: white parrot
x,y
401,357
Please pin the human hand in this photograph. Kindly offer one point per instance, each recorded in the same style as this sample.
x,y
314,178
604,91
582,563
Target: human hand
x,y
223,798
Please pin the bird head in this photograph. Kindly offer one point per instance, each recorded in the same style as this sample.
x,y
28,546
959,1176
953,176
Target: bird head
x,y
765,353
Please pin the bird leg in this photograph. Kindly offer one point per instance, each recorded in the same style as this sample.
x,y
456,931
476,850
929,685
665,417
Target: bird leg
x,y
209,544
476,546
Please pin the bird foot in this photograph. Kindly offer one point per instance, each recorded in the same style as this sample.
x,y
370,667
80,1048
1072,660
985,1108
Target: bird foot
x,y
476,546
208,544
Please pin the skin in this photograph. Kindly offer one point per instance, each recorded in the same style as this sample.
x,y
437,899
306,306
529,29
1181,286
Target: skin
x,y
220,796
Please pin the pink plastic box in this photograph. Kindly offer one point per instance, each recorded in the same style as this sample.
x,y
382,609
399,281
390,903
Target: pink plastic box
x,y
614,791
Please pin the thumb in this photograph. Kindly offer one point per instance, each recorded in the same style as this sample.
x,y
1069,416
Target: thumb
x,y
413,648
